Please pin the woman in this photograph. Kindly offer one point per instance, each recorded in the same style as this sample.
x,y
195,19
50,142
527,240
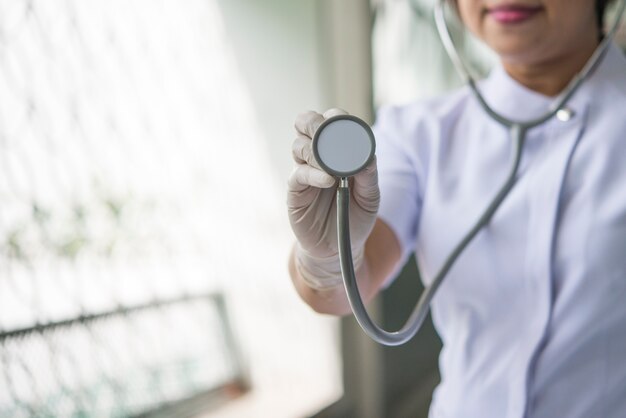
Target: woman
x,y
533,315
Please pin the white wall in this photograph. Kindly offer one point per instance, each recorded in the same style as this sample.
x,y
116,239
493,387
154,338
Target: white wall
x,y
293,56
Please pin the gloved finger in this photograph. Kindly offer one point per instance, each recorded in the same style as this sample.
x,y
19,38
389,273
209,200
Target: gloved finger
x,y
304,176
368,177
302,151
308,122
365,187
335,111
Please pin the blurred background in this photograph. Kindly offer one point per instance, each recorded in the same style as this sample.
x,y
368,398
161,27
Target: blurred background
x,y
144,153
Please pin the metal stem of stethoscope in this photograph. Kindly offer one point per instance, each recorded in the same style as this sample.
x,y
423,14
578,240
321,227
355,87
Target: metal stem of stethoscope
x,y
517,130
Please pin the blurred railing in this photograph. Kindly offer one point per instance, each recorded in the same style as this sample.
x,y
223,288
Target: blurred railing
x,y
130,361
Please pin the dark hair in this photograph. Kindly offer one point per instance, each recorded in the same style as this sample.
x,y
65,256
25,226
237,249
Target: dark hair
x,y
600,8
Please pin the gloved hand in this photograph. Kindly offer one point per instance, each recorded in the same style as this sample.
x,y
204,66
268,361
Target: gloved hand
x,y
312,206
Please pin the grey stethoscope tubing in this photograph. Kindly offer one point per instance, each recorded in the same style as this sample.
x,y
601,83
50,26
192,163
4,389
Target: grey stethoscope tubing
x,y
517,131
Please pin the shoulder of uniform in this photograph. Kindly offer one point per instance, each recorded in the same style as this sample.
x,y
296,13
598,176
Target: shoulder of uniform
x,y
426,112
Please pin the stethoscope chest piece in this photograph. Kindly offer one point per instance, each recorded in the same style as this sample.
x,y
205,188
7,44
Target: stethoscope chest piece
x,y
343,145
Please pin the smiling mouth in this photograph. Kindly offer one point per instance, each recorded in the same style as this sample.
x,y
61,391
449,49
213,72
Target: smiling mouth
x,y
513,13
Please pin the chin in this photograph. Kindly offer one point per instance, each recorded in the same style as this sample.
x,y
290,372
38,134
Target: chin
x,y
519,52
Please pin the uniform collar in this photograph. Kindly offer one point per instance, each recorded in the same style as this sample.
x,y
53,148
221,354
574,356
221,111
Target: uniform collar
x,y
510,98
515,101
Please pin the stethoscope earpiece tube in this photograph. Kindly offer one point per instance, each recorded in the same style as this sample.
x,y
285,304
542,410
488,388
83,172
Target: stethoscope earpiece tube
x,y
349,277
413,324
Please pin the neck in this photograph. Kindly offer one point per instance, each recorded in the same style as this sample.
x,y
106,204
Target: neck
x,y
549,77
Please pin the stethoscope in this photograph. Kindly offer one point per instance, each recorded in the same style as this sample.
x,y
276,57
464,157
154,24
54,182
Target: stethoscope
x,y
344,145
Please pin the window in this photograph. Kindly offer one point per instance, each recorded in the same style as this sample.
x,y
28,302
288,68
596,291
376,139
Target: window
x,y
143,237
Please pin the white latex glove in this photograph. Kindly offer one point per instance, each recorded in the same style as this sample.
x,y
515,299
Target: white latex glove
x,y
312,206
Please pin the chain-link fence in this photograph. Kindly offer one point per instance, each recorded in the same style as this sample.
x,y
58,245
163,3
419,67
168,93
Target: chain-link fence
x,y
109,302
118,363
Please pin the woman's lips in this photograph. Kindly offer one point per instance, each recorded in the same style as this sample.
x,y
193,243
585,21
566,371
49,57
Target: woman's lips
x,y
508,14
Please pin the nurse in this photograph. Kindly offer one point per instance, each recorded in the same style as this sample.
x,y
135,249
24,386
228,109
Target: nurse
x,y
533,315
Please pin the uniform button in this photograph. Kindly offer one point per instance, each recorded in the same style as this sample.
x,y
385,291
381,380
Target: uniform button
x,y
564,114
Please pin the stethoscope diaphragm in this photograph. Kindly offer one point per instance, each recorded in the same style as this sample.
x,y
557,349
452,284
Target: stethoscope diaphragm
x,y
343,145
